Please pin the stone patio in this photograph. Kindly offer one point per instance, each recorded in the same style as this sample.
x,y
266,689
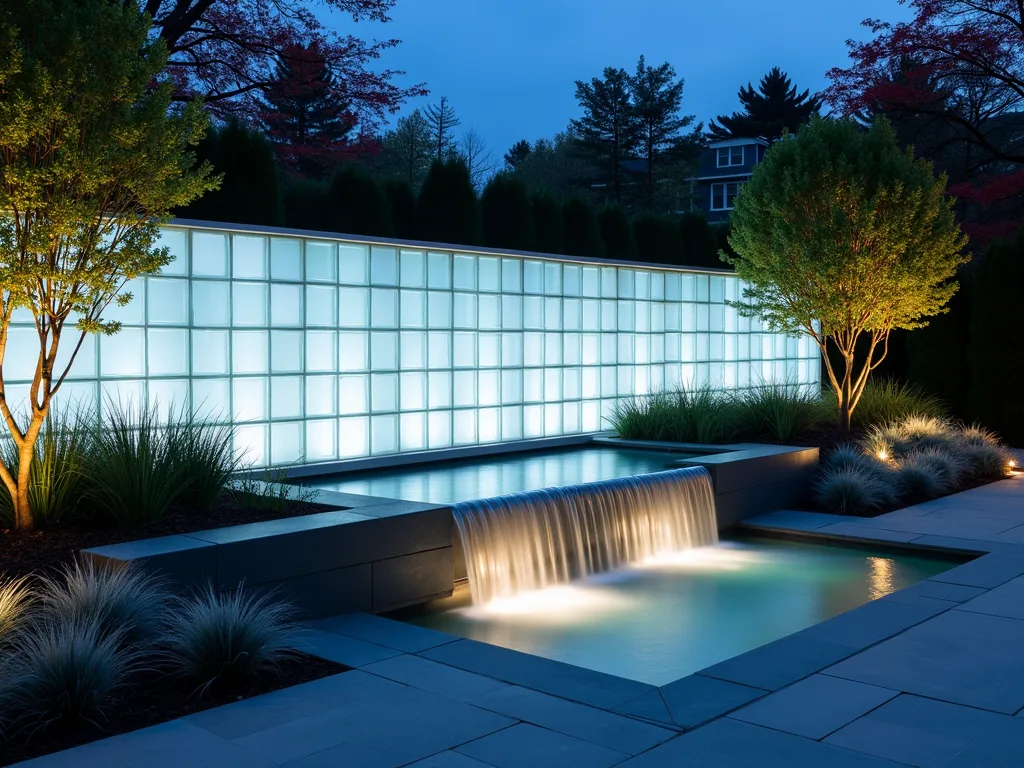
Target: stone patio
x,y
932,675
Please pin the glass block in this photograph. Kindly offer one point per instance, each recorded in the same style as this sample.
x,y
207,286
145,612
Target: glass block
x,y
413,350
488,274
130,393
533,312
672,348
717,289
673,286
168,301
571,280
286,397
609,348
703,317
624,380
511,275
322,305
609,282
657,317
689,317
591,315
321,262
439,310
643,316
590,282
590,417
249,398
730,375
591,352
168,352
489,350
285,305
627,284
552,349
627,316
512,349
464,349
413,269
176,243
489,425
642,284
716,317
383,434
512,422
383,265
211,398
413,309
384,392
383,351
249,257
572,315
489,387
673,317
251,444
384,308
353,437
627,348
250,352
688,347
464,388
572,352
209,254
609,315
168,397
353,395
439,350
702,287
439,270
641,380
570,418
552,278
552,314
465,310
123,354
249,303
439,429
672,378
134,312
24,364
464,427
352,263
286,351
688,290
413,431
533,277
703,346
657,286
464,272
285,259
511,386
353,351
732,289
552,384
590,383
511,312
490,311
552,420
321,352
321,440
211,304
413,391
716,345
533,385
533,421
439,389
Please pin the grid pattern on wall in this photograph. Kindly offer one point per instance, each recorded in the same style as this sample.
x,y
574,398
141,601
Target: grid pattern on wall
x,y
324,349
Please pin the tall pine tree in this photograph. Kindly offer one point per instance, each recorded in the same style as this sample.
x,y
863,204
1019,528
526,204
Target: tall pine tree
x,y
774,106
443,121
406,152
609,131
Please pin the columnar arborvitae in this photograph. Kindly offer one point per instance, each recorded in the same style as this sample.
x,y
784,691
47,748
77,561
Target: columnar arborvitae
x,y
581,235
658,239
447,210
402,201
700,246
305,203
617,233
507,214
548,228
357,205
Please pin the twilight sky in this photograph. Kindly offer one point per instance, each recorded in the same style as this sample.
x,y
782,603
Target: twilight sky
x,y
508,66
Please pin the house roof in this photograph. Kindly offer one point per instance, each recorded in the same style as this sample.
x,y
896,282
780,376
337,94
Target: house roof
x,y
739,142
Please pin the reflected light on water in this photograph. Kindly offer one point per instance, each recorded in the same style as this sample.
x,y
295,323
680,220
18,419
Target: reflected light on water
x,y
718,558
564,604
881,573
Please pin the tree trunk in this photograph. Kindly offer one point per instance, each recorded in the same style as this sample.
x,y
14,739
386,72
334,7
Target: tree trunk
x,y
23,520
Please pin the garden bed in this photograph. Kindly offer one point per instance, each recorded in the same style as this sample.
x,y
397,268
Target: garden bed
x,y
153,698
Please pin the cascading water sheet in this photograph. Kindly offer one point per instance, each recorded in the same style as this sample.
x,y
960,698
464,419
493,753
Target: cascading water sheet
x,y
528,541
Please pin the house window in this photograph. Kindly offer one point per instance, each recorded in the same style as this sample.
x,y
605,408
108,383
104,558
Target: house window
x,y
723,196
730,156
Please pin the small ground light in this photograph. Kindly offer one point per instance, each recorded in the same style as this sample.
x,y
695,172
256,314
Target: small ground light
x,y
884,456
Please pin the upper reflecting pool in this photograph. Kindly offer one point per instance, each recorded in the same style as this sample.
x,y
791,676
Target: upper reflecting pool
x,y
452,482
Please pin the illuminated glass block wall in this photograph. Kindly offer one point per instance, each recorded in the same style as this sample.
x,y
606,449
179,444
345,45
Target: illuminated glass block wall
x,y
325,349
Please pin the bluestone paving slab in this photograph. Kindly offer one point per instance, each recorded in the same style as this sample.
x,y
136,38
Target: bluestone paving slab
x,y
525,745
448,759
923,731
941,590
871,622
958,656
794,520
437,678
650,706
242,718
380,732
927,525
386,632
168,745
696,699
992,510
986,572
341,648
815,707
1005,600
911,598
597,726
564,680
729,743
847,529
973,546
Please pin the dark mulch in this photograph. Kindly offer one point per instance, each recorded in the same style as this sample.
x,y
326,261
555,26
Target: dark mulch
x,y
48,548
153,698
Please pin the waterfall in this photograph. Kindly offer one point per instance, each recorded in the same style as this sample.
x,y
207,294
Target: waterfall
x,y
526,541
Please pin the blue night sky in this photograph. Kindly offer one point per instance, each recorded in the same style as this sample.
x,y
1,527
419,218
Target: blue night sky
x,y
508,67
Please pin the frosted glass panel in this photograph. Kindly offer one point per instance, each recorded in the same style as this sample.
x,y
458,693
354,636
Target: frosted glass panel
x,y
285,305
321,352
285,259
352,264
384,308
286,397
249,351
211,304
321,440
321,395
383,265
168,351
354,437
209,254
249,257
210,352
286,351
413,269
488,274
167,301
321,305
321,262
249,398
249,303
176,243
354,395
354,307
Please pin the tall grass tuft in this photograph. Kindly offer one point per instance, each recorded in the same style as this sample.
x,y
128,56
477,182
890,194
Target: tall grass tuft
x,y
126,602
887,400
684,415
132,478
852,491
228,637
203,454
986,461
918,479
16,598
781,409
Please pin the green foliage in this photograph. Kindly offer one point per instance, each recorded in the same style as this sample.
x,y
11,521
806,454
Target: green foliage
x,y
697,414
840,236
996,368
617,233
609,130
918,479
356,205
407,150
580,233
852,490
447,210
700,244
15,599
402,201
887,400
250,188
305,204
268,491
770,110
782,410
507,213
930,365
228,637
548,230
658,239
202,452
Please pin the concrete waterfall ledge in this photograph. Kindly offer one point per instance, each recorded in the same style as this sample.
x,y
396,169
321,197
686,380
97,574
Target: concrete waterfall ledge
x,y
370,554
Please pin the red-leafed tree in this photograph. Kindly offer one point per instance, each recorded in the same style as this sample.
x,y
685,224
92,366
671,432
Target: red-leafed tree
x,y
955,71
227,51
305,116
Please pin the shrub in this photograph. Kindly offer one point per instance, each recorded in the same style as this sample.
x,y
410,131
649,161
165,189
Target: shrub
x,y
658,239
852,491
507,213
946,465
548,228
851,457
228,637
783,410
202,453
447,210
15,600
617,233
887,401
125,602
700,414
131,477
356,204
62,670
986,461
581,235
918,478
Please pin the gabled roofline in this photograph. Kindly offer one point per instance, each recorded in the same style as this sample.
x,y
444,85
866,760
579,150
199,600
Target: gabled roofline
x,y
739,142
